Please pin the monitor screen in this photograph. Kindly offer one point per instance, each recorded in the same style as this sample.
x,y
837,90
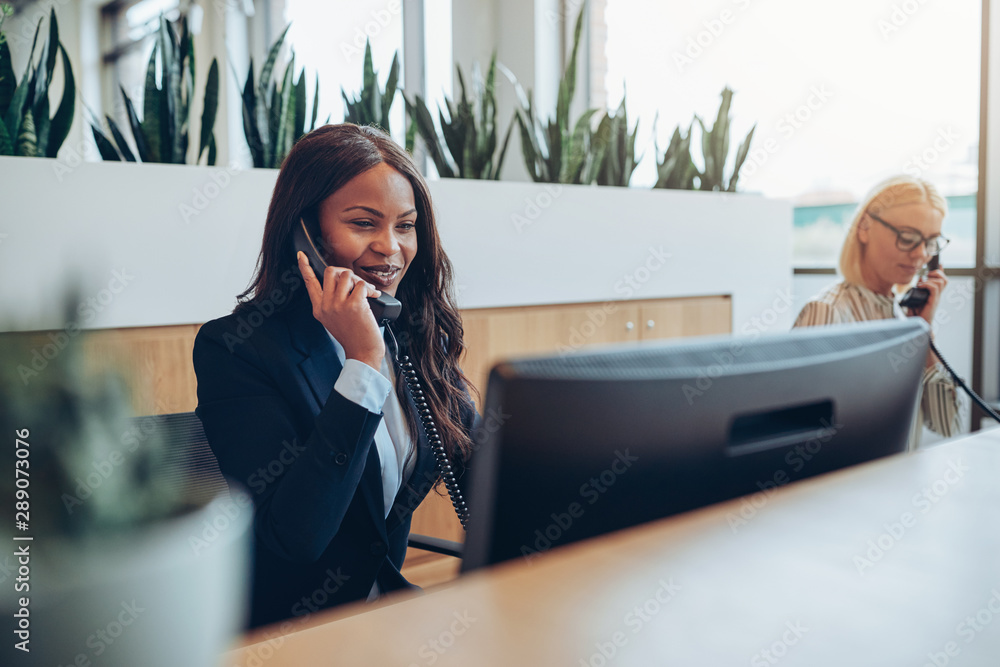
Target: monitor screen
x,y
590,442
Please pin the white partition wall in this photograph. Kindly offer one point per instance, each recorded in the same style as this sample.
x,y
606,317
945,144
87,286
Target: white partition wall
x,y
170,244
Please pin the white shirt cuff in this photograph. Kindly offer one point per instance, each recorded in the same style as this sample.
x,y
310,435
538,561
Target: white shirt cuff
x,y
362,384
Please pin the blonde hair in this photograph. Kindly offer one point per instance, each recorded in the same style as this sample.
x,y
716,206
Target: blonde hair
x,y
892,192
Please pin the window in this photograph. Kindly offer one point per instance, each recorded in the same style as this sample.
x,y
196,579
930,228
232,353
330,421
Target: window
x,y
843,95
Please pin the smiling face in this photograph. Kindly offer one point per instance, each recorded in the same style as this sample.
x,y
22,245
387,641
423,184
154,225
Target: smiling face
x,y
882,263
369,226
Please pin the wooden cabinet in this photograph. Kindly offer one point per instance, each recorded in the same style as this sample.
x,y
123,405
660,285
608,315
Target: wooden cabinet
x,y
494,334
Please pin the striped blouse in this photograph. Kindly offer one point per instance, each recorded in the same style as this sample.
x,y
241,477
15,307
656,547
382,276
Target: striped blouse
x,y
846,302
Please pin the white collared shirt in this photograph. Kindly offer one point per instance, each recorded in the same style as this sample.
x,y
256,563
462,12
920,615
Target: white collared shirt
x,y
361,384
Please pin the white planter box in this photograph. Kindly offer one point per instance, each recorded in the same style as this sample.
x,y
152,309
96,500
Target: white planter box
x,y
173,244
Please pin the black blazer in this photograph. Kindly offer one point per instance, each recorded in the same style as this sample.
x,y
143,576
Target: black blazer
x,y
307,457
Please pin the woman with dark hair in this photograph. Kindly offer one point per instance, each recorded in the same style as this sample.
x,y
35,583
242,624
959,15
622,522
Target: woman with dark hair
x,y
295,387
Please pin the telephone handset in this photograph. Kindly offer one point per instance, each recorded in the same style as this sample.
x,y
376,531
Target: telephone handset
x,y
386,309
916,297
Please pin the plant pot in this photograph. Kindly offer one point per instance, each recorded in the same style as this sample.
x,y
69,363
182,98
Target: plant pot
x,y
169,594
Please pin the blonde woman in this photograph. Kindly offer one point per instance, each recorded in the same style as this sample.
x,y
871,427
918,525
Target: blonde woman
x,y
895,232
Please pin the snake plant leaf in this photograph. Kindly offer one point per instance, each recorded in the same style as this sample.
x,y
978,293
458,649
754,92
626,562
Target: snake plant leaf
x,y
8,82
61,122
579,151
27,143
283,111
171,87
532,160
676,170
374,109
495,174
120,142
741,156
454,138
368,81
567,86
273,118
421,119
315,109
6,145
298,123
250,130
715,145
15,111
615,148
104,146
210,108
390,91
187,78
411,136
40,114
603,143
51,45
267,71
151,108
138,134
43,73
261,102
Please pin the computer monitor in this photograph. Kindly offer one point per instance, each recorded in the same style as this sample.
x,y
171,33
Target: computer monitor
x,y
605,438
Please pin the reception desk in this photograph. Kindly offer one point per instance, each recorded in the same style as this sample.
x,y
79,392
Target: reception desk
x,y
894,562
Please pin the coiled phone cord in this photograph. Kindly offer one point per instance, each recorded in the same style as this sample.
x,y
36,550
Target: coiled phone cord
x,y
973,395
409,374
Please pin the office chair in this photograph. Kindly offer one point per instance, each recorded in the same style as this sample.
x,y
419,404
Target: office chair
x,y
194,471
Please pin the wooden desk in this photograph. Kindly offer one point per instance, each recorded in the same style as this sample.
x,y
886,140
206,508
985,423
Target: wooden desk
x,y
896,562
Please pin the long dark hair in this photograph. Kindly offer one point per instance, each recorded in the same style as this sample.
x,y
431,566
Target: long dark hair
x,y
429,327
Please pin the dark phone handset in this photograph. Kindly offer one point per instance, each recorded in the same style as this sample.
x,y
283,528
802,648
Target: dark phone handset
x,y
384,307
916,297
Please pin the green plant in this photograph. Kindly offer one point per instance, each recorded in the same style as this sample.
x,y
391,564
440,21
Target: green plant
x,y
26,128
557,152
676,170
468,147
372,105
5,11
161,135
274,118
615,145
88,469
715,148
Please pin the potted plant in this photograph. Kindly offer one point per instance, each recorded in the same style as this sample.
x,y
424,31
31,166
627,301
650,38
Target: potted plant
x,y
558,151
161,135
467,145
113,565
275,118
372,105
676,170
26,129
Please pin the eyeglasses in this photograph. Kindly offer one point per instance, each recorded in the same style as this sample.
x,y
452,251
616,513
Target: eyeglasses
x,y
908,239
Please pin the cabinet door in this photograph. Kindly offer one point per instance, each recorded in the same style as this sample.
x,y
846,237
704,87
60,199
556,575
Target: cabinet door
x,y
495,334
674,318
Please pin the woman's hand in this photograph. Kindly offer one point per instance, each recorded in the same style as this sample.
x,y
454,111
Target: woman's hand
x,y
934,282
341,305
